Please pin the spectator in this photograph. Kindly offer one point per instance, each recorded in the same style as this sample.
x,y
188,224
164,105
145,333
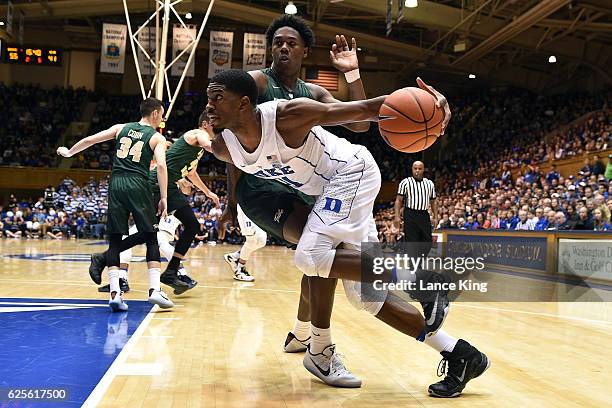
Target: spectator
x,y
584,222
598,222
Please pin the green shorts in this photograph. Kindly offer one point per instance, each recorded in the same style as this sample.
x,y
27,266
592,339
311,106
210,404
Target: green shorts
x,y
130,195
262,201
176,199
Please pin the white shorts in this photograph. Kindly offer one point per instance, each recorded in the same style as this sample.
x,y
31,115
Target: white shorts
x,y
169,225
247,227
343,212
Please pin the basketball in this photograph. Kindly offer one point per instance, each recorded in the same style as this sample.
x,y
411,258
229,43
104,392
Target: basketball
x,y
410,120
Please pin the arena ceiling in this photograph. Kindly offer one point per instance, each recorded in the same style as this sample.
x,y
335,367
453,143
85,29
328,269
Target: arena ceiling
x,y
506,41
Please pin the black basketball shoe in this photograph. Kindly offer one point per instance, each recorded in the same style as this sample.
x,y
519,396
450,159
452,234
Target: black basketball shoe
x,y
189,281
461,365
171,278
96,267
123,285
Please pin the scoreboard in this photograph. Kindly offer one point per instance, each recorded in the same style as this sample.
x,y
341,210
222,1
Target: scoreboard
x,y
14,54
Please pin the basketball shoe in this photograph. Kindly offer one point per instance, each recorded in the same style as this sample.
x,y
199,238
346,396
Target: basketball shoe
x,y
170,277
239,270
158,297
295,345
96,267
461,365
435,303
329,368
123,285
183,276
117,304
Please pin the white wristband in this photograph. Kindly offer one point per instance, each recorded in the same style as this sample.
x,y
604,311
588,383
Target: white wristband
x,y
352,76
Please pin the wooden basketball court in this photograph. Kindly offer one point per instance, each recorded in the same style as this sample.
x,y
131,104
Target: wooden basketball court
x,y
221,346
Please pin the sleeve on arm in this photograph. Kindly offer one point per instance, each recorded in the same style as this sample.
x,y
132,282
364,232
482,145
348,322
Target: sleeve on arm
x,y
402,188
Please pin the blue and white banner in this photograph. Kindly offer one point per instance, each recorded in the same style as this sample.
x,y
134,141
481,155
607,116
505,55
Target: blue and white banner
x,y
181,39
220,52
254,52
112,55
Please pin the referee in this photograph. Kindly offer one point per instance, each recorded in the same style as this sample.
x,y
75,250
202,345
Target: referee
x,y
415,194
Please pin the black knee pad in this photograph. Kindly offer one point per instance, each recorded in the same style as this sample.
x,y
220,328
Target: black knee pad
x,y
152,247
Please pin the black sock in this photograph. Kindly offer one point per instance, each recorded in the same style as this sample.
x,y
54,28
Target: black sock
x,y
174,263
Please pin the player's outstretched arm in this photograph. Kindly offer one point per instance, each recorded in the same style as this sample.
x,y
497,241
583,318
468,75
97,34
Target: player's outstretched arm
x,y
84,143
295,118
194,177
158,144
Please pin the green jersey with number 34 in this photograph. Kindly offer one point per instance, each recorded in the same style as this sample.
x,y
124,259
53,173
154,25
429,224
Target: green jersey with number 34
x,y
133,153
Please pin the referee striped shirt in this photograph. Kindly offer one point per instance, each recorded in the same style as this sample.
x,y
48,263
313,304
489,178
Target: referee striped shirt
x,y
417,193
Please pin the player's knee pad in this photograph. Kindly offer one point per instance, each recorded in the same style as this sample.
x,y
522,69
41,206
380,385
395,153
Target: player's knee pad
x,y
126,256
314,261
152,247
163,239
257,240
365,297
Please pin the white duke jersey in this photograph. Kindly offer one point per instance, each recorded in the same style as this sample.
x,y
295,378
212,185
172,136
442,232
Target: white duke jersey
x,y
307,168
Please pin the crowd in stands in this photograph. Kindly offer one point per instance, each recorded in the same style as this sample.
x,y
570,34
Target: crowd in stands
x,y
32,121
73,211
491,135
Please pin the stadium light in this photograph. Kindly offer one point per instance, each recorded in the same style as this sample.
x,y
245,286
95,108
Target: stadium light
x,y
472,76
1,23
290,8
411,3
188,16
552,59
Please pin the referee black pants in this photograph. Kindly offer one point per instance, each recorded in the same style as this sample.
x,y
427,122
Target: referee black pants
x,y
417,231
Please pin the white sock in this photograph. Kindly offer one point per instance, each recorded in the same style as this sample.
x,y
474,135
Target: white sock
x,y
181,270
441,341
113,280
123,274
236,254
320,338
301,330
154,278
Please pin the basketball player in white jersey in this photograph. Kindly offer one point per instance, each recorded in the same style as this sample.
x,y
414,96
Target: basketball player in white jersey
x,y
282,140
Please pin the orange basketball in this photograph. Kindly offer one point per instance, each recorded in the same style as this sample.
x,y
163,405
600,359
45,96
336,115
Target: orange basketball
x,y
410,121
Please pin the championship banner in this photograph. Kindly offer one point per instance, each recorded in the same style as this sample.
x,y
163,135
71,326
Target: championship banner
x,y
112,58
9,18
254,52
220,52
181,38
146,38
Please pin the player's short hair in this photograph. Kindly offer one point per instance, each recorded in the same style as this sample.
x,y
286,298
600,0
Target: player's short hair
x,y
238,82
149,105
295,22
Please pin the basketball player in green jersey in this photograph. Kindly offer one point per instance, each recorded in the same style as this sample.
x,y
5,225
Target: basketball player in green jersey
x,y
181,162
130,193
270,204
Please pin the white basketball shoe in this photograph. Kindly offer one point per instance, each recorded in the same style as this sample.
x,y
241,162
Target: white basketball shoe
x,y
159,298
330,369
117,304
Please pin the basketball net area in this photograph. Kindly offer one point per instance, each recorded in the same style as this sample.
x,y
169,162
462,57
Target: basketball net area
x,y
164,9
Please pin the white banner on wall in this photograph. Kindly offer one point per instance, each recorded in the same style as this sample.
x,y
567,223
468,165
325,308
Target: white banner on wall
x,y
21,28
587,258
112,55
254,51
220,52
146,38
181,38
9,18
